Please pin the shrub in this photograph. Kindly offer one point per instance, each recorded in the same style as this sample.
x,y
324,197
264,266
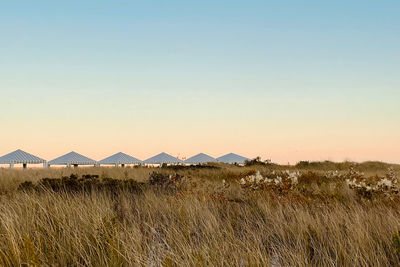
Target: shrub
x,y
87,184
165,182
386,186
190,167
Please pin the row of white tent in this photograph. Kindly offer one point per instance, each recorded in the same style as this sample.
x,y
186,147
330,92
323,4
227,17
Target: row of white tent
x,y
118,159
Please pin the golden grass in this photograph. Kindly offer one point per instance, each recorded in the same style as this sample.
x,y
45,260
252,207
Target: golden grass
x,y
208,225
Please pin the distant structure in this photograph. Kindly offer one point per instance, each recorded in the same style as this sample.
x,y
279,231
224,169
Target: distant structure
x,y
120,159
163,158
232,158
200,158
73,159
21,157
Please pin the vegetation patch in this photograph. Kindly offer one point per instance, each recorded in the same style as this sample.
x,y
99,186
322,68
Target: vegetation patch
x,y
86,183
191,167
267,215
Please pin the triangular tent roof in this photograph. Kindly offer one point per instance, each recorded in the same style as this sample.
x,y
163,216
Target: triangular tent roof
x,y
162,158
120,158
72,158
232,158
200,158
19,156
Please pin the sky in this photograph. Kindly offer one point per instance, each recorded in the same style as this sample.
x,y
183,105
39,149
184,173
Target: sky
x,y
284,80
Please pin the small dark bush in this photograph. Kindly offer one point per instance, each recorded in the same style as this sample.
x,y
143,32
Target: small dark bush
x,y
257,161
190,167
90,176
158,178
165,182
303,164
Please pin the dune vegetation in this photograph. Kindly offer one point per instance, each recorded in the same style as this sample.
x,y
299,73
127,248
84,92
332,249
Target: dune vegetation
x,y
261,214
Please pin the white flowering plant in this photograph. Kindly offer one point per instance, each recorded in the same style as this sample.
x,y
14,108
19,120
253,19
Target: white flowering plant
x,y
283,180
330,183
387,185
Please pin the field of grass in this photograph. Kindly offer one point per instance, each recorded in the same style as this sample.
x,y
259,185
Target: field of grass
x,y
312,214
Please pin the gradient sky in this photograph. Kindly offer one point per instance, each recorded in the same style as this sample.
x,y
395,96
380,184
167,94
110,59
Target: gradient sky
x,y
285,80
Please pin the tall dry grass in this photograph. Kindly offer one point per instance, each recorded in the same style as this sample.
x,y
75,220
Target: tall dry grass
x,y
210,225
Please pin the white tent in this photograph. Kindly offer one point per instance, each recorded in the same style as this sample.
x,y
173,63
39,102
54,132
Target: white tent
x,y
200,158
163,158
232,158
120,159
74,159
21,157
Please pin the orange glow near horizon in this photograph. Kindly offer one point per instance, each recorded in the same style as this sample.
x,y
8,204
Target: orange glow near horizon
x,y
280,149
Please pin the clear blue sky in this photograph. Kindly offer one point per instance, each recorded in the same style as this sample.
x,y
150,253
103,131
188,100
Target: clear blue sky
x,y
287,80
